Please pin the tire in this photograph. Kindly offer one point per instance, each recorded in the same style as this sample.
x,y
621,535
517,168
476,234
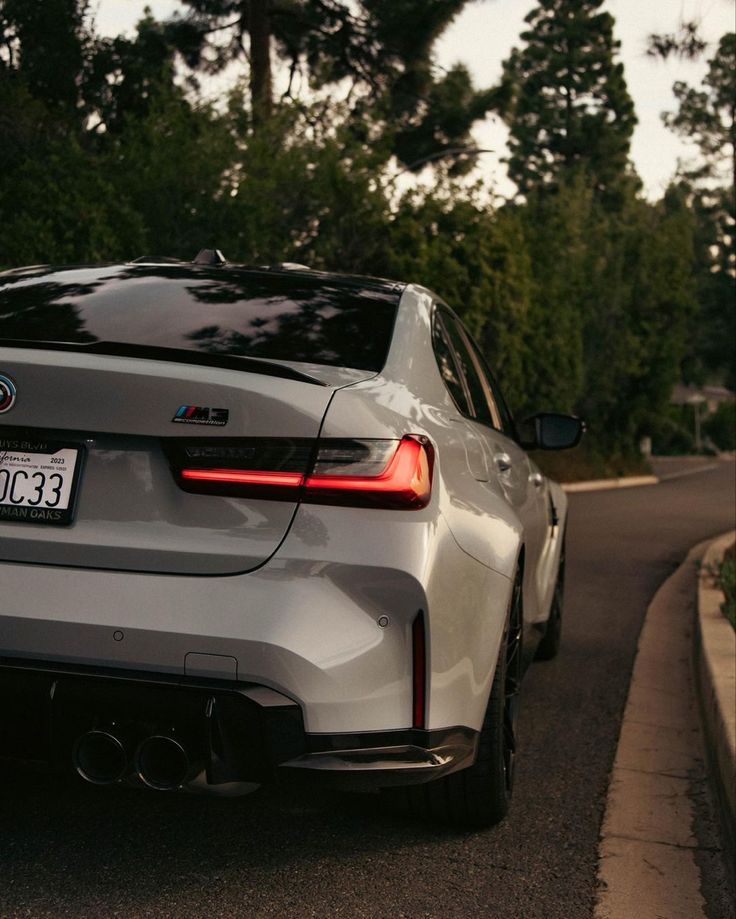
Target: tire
x,y
549,646
480,795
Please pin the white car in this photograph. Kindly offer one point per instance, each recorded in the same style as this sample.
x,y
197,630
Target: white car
x,y
266,523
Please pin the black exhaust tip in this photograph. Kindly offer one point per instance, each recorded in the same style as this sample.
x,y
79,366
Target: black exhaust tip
x,y
162,763
100,757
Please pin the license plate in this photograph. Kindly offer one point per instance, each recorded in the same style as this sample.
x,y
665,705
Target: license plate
x,y
38,483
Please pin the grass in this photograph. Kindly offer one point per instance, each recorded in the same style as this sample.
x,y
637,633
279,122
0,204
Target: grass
x,y
583,464
726,579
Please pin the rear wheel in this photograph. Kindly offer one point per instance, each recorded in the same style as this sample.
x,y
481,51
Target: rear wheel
x,y
480,795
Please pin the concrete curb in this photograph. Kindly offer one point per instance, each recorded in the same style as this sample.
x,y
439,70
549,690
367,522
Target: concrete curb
x,y
603,484
649,848
633,481
715,667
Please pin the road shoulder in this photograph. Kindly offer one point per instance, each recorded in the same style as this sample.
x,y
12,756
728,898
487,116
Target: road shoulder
x,y
654,845
716,672
664,468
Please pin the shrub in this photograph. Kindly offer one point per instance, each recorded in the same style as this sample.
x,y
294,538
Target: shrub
x,y
721,426
726,579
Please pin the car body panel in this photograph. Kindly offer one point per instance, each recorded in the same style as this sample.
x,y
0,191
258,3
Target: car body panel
x,y
305,624
410,394
131,514
313,601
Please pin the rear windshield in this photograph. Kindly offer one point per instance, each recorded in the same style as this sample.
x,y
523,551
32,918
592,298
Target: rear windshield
x,y
227,312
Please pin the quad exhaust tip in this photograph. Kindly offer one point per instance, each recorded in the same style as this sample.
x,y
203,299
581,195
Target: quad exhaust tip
x,y
100,758
162,763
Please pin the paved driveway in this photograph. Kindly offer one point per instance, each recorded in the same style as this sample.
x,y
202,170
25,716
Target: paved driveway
x,y
67,849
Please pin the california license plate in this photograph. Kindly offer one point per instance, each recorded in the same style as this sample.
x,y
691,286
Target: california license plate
x,y
38,481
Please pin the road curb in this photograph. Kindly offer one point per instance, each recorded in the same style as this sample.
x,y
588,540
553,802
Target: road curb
x,y
631,481
715,668
649,848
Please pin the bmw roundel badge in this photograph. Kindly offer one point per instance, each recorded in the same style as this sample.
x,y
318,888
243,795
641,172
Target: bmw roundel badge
x,y
7,393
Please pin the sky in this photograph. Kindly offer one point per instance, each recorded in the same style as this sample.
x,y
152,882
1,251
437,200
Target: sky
x,y
484,33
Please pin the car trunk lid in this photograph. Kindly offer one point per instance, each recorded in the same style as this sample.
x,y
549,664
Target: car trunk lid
x,y
130,418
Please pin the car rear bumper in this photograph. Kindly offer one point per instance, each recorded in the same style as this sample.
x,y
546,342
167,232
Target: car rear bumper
x,y
233,734
321,623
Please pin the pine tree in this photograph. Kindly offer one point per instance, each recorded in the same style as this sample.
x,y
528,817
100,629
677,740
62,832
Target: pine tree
x,y
47,45
381,49
570,109
707,116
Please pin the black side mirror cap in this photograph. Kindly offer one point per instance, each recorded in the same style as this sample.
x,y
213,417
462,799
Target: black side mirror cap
x,y
550,431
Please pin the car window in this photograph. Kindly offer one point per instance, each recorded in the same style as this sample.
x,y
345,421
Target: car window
x,y
221,312
484,409
507,422
448,367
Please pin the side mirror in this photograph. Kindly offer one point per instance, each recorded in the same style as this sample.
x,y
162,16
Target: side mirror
x,y
550,431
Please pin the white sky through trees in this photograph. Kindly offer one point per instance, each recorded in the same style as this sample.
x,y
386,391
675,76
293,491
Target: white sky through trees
x,y
482,36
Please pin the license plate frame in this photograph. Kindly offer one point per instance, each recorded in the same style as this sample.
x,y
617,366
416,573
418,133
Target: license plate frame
x,y
36,449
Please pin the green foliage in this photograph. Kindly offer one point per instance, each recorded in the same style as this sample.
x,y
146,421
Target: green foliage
x,y
48,45
171,164
57,203
711,335
726,580
63,212
685,43
581,294
477,260
556,227
587,462
453,105
706,116
661,301
635,336
672,433
299,189
569,107
127,76
383,49
613,293
721,426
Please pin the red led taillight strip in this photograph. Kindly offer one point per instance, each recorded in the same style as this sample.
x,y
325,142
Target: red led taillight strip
x,y
405,482
244,477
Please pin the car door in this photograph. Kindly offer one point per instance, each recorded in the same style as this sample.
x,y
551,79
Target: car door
x,y
507,465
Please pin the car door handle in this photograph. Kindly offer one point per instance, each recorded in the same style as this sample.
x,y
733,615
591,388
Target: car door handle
x,y
537,479
503,462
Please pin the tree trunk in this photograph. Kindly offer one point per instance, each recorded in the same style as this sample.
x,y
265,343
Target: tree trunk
x,y
259,30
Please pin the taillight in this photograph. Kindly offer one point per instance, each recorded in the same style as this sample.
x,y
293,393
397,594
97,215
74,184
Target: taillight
x,y
373,474
253,481
356,473
247,467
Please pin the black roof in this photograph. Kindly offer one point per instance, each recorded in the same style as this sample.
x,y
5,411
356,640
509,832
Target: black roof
x,y
223,311
284,269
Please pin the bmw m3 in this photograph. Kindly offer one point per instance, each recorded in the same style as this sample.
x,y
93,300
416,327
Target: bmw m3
x,y
267,523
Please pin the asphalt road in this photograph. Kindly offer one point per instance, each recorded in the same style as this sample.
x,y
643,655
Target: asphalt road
x,y
67,849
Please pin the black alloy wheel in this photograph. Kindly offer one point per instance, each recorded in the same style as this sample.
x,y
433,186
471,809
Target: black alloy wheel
x,y
512,683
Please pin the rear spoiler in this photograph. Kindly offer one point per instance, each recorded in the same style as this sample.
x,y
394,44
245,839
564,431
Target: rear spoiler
x,y
172,355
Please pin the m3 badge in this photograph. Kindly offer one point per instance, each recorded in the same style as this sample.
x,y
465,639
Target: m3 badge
x,y
200,414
